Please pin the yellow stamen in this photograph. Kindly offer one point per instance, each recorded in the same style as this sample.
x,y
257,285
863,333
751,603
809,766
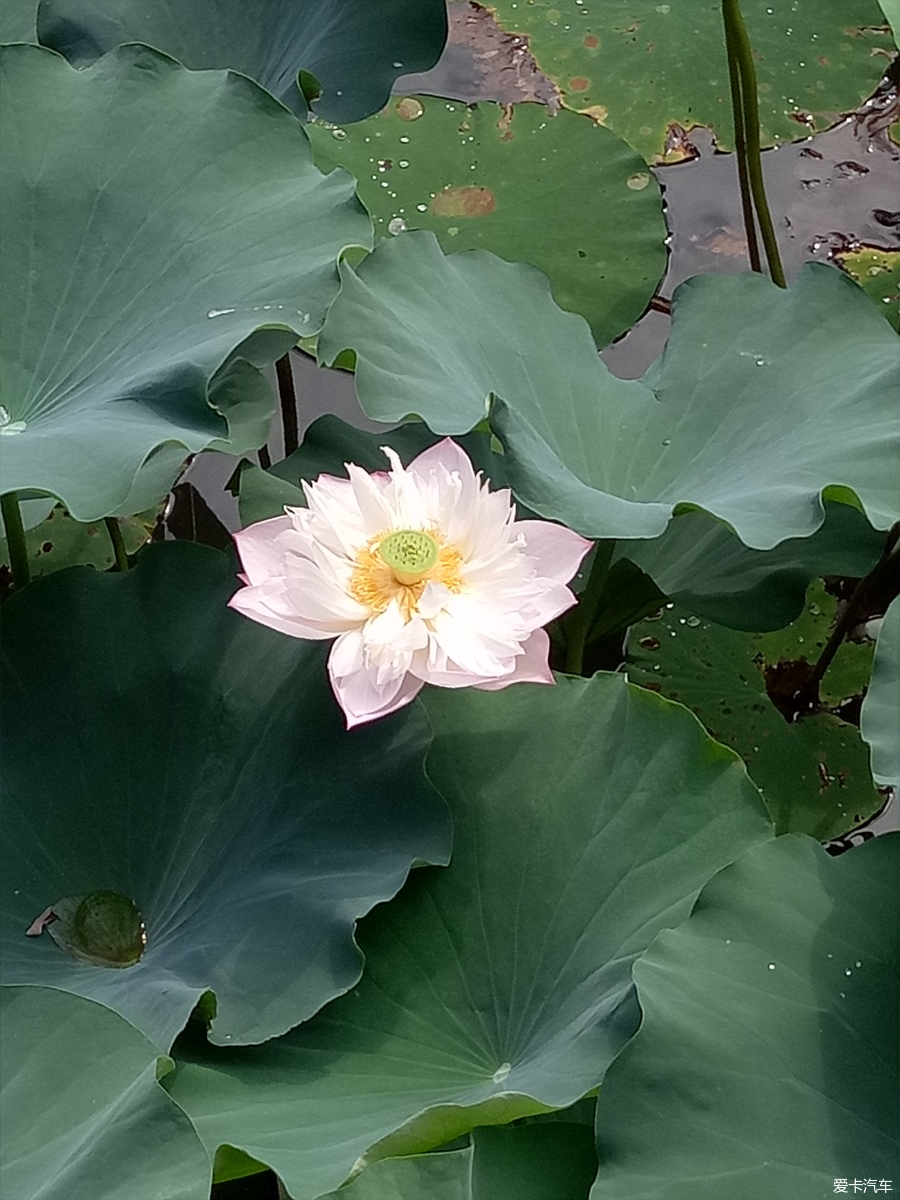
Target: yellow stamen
x,y
376,581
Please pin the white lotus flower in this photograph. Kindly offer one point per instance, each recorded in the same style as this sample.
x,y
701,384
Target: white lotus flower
x,y
420,574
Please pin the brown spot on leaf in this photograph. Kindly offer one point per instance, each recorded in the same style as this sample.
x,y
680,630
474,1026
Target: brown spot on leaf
x,y
823,61
464,202
591,41
578,83
46,548
649,643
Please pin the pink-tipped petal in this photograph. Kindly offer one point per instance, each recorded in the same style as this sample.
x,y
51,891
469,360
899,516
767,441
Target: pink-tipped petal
x,y
559,550
261,549
446,454
251,603
532,666
362,699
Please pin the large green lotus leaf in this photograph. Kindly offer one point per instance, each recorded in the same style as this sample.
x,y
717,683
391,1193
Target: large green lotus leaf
x,y
83,1115
556,1161
701,565
354,49
766,1062
765,397
880,716
650,71
813,773
586,817
562,193
154,221
17,21
162,747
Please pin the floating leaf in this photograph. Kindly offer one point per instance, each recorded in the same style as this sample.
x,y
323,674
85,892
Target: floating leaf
x,y
764,398
766,1062
349,52
558,192
878,274
586,817
653,71
136,298
82,1112
880,717
59,541
160,746
813,773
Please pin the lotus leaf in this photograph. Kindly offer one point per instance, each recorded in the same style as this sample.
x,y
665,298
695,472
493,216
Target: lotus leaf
x,y
352,50
160,747
586,818
764,400
143,262
766,1063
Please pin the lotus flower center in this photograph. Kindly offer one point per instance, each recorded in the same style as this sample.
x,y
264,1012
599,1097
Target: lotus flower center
x,y
409,553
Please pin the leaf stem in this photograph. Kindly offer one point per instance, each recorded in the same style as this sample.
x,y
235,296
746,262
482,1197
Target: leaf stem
x,y
739,48
118,543
15,539
583,617
740,150
853,610
288,398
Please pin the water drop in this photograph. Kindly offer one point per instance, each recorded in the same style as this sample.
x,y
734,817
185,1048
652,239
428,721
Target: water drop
x,y
667,441
396,225
403,163
501,1073
848,972
858,963
771,966
404,140
8,426
693,622
397,65
422,208
340,134
220,312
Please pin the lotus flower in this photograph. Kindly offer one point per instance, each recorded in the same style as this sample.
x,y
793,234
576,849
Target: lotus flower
x,y
420,574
